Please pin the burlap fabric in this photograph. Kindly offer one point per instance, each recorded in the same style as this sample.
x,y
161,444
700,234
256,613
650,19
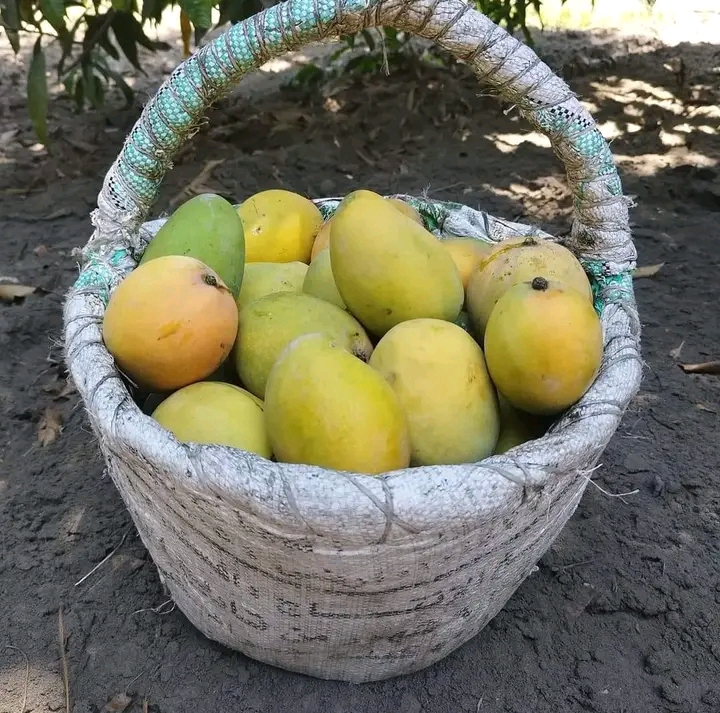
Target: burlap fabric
x,y
333,574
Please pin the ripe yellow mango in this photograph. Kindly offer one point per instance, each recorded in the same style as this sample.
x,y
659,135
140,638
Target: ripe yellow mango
x,y
170,322
406,209
322,241
543,346
269,324
264,278
279,225
325,407
213,412
520,260
438,373
389,269
467,253
319,280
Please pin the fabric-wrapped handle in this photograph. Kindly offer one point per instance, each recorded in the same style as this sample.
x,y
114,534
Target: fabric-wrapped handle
x,y
600,230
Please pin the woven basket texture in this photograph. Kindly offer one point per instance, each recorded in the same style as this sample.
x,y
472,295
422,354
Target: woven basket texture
x,y
332,574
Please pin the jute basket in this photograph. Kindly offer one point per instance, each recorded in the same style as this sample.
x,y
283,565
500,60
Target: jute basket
x,y
327,573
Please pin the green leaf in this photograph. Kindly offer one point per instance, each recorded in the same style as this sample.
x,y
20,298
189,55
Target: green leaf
x,y
153,9
54,12
199,12
79,95
97,34
142,39
121,83
122,26
25,8
234,11
90,85
10,15
308,76
66,37
37,92
122,5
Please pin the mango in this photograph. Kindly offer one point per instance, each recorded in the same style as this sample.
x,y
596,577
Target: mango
x,y
270,323
264,278
280,226
467,253
517,427
170,322
207,228
406,209
543,346
387,268
213,412
519,260
438,373
319,280
322,241
325,407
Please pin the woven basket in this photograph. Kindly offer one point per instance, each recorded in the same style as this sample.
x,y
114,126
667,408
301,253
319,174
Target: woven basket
x,y
332,574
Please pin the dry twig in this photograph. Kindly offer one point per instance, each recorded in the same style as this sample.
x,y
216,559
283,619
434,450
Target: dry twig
x,y
705,367
197,183
647,270
63,656
104,559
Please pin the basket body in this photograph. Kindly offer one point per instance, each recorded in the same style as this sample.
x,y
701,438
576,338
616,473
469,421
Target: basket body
x,y
334,574
292,600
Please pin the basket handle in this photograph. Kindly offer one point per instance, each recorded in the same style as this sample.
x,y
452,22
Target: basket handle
x,y
600,229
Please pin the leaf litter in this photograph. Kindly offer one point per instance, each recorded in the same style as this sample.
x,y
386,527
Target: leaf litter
x,y
50,426
12,291
705,367
118,703
647,270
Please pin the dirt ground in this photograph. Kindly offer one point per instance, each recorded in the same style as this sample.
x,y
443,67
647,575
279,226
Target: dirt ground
x,y
623,613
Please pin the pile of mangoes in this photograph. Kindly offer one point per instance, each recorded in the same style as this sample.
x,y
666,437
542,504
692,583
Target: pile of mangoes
x,y
362,343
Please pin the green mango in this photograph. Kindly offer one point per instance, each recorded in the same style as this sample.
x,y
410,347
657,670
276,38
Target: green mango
x,y
208,228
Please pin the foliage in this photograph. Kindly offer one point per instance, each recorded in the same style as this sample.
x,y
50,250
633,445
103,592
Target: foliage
x,y
92,33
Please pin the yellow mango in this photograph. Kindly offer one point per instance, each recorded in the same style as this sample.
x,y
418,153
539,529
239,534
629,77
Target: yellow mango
x,y
406,209
170,322
438,373
214,412
467,253
520,260
269,324
325,407
279,226
388,268
264,278
543,346
319,280
517,427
